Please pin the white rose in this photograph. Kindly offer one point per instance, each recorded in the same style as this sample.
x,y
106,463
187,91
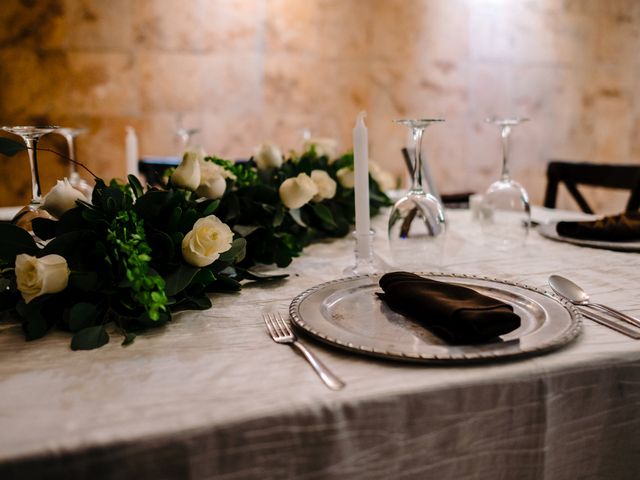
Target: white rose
x,y
325,147
212,180
346,177
208,238
268,156
38,276
295,192
383,178
61,198
187,174
326,185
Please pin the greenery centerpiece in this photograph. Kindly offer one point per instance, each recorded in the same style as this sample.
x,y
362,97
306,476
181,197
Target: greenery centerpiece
x,y
127,258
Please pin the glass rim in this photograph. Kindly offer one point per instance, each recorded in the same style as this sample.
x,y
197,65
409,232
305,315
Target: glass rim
x,y
408,121
506,121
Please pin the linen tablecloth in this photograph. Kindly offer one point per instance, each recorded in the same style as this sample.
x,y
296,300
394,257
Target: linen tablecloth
x,y
211,396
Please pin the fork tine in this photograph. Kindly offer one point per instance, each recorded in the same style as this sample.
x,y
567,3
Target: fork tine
x,y
268,323
276,326
284,325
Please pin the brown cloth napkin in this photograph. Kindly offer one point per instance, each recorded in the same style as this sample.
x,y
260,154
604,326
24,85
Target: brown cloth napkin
x,y
457,314
616,228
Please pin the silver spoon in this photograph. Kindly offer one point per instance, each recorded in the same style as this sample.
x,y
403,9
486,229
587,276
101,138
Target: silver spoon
x,y
576,295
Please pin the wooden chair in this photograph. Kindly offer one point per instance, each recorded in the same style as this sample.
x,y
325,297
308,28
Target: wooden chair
x,y
615,176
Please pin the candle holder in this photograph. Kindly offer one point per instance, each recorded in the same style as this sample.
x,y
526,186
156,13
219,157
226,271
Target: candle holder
x,y
365,259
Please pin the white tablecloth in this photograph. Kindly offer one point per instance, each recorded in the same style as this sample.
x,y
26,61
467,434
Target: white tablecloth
x,y
211,396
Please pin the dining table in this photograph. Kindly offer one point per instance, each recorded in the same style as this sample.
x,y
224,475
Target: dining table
x,y
210,395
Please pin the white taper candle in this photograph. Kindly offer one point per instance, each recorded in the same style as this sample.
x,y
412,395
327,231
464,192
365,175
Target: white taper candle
x,y
361,167
131,152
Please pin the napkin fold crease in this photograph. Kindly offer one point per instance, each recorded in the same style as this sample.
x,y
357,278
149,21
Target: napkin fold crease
x,y
459,315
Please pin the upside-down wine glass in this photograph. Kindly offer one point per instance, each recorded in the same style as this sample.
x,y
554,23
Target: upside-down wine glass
x,y
75,179
417,222
31,135
505,214
184,134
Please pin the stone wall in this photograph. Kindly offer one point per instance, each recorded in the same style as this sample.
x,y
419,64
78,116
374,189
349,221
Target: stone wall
x,y
248,70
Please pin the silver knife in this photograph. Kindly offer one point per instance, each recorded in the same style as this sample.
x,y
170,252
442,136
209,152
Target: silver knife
x,y
612,324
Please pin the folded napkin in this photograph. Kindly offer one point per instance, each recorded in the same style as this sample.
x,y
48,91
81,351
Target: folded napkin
x,y
616,228
457,314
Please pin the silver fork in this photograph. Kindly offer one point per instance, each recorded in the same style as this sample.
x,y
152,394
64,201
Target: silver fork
x,y
281,333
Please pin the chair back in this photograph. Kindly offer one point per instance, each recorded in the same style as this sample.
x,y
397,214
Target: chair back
x,y
572,174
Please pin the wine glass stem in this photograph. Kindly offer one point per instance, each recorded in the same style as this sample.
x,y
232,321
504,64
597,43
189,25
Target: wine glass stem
x,y
505,133
72,155
32,144
416,180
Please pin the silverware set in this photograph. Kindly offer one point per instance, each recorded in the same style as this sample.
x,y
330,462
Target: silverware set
x,y
616,320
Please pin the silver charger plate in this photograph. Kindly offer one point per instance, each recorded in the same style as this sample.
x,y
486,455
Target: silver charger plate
x,y
548,230
348,314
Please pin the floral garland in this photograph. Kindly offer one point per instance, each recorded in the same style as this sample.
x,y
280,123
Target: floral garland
x,y
127,259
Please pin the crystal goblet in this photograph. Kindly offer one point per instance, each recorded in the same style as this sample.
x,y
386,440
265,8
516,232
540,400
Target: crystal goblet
x,y
417,222
505,213
75,179
31,135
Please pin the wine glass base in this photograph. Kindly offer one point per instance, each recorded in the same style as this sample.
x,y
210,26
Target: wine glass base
x,y
27,214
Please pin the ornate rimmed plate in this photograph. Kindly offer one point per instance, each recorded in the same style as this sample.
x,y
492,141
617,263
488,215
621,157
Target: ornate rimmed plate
x,y
548,230
348,314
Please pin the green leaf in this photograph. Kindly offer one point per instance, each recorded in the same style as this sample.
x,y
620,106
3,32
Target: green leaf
x,y
44,228
204,277
90,338
151,203
179,279
279,216
261,277
136,186
245,230
226,284
82,315
162,246
14,242
69,245
84,281
10,147
323,213
212,207
189,217
237,251
34,325
174,218
129,337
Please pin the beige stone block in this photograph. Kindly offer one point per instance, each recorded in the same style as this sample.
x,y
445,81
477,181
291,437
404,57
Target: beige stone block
x,y
436,89
171,82
291,27
96,24
299,84
414,32
617,40
524,34
232,25
24,94
168,25
89,82
232,83
344,28
41,25
233,136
